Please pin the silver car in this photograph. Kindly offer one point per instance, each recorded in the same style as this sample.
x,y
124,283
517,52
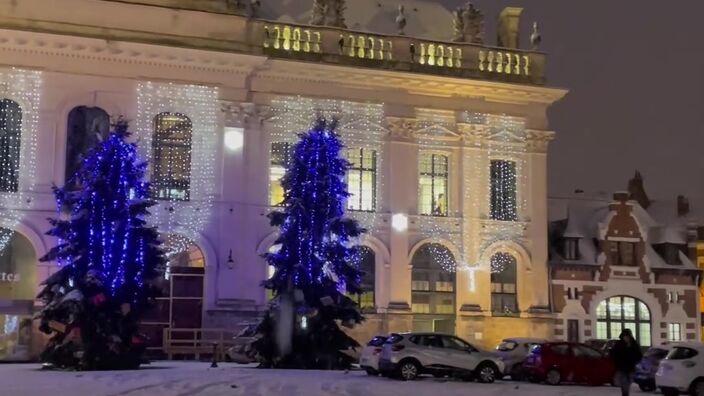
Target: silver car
x,y
513,351
409,355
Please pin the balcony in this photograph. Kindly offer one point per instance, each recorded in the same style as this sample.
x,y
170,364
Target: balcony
x,y
397,53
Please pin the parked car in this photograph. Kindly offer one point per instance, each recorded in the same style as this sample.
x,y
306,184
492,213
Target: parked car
x,y
409,355
558,362
682,371
369,360
513,351
601,345
648,366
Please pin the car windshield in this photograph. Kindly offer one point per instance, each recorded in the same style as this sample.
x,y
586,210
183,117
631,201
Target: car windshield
x,y
682,353
507,345
657,353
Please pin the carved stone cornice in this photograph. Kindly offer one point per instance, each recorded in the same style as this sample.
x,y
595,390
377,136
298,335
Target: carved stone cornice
x,y
243,114
538,141
473,134
401,128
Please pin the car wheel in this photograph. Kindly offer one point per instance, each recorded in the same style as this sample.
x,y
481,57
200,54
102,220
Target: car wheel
x,y
670,392
372,372
408,370
487,373
553,377
698,388
647,386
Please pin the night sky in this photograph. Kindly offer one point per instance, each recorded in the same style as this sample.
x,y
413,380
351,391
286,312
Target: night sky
x,y
634,69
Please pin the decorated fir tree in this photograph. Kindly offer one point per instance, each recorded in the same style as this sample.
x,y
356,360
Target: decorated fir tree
x,y
314,261
108,259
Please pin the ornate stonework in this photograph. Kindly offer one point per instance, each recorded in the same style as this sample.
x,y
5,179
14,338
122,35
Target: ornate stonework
x,y
538,141
401,128
244,114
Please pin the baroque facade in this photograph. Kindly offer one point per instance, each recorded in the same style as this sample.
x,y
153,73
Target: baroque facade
x,y
448,142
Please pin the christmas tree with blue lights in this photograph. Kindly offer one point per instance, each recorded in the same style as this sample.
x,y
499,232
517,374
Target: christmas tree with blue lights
x,y
314,261
109,259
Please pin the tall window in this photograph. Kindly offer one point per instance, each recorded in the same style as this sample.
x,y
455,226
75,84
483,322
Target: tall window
x,y
503,191
432,287
572,248
280,157
674,332
10,144
504,299
433,183
366,263
621,312
171,178
87,126
622,253
361,180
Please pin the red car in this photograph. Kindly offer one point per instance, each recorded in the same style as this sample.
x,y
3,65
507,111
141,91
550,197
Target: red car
x,y
558,362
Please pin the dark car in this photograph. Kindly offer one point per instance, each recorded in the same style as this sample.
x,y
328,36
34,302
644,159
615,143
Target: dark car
x,y
558,362
601,345
648,366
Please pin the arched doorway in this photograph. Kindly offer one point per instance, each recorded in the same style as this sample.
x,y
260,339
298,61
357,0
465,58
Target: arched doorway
x,y
18,272
433,289
622,312
182,295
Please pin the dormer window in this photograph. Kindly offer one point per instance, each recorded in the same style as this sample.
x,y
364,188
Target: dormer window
x,y
571,249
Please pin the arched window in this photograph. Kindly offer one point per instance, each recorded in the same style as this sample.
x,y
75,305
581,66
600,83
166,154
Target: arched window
x,y
171,168
504,299
18,268
10,144
621,312
87,127
433,287
366,260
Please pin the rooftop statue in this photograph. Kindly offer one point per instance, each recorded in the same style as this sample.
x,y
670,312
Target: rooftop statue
x,y
328,13
468,24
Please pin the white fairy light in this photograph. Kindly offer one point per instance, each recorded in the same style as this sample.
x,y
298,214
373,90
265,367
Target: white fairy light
x,y
20,94
181,214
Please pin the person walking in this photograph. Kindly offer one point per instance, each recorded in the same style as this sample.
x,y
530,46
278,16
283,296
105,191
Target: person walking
x,y
626,354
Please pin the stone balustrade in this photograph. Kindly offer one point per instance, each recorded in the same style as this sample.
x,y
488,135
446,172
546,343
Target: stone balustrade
x,y
400,53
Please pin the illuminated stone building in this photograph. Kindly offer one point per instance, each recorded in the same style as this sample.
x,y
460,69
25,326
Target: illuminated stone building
x,y
448,139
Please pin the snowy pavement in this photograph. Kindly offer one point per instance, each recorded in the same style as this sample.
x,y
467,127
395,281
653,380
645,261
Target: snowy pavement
x,y
197,379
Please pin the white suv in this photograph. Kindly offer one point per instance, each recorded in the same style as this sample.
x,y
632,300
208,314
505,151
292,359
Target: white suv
x,y
682,371
411,354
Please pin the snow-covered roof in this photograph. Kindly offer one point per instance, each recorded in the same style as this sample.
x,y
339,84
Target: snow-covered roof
x,y
584,217
425,18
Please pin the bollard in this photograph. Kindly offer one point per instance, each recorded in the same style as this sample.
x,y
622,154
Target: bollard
x,y
214,364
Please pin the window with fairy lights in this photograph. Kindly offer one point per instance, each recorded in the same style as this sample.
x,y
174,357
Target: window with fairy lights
x,y
432,287
280,156
87,126
366,262
503,191
504,298
433,184
10,144
171,161
361,179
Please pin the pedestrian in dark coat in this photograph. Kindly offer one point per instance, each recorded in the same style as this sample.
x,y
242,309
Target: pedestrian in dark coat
x,y
626,354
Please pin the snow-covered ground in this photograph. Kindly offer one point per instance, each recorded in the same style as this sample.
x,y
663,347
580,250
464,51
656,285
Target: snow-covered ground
x,y
197,379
